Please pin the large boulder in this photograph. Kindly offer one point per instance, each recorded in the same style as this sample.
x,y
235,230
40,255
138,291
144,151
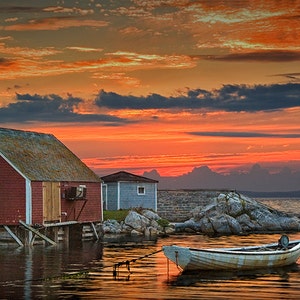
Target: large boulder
x,y
136,221
233,213
206,226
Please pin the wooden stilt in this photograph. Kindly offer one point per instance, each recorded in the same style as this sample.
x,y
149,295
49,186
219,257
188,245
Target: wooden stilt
x,y
13,235
28,227
95,231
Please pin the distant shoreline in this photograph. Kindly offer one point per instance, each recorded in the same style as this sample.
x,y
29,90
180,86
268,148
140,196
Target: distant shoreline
x,y
291,194
251,194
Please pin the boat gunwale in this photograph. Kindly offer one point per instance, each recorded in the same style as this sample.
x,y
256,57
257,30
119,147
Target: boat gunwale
x,y
251,250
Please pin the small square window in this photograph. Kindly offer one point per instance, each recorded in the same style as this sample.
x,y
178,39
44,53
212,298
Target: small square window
x,y
141,190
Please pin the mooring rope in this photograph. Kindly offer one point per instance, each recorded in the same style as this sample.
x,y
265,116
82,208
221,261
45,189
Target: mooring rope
x,y
115,267
127,262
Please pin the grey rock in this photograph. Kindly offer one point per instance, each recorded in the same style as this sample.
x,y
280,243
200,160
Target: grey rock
x,y
234,207
136,221
287,223
266,219
206,226
233,213
137,224
246,223
150,215
220,224
135,232
191,224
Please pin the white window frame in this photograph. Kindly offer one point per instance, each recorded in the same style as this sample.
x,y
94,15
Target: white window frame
x,y
141,187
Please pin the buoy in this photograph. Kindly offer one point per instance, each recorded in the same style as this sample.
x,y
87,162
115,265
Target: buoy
x,y
283,242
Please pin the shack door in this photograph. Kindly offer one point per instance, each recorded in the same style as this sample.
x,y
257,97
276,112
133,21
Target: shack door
x,y
51,202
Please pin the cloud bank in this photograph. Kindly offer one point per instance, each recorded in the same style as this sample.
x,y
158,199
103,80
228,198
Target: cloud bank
x,y
262,56
258,179
231,98
51,108
244,134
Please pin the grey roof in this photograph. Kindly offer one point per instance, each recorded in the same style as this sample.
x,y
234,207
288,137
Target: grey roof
x,y
125,176
42,157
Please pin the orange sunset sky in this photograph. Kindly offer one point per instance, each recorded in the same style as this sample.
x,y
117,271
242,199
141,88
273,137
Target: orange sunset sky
x,y
165,84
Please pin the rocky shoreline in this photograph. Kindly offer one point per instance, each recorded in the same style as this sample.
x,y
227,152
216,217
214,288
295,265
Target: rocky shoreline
x,y
145,222
227,214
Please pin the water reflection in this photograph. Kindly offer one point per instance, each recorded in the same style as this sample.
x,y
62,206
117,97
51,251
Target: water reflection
x,y
85,271
192,278
24,270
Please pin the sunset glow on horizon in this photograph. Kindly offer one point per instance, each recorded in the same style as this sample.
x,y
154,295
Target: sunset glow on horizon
x,y
170,85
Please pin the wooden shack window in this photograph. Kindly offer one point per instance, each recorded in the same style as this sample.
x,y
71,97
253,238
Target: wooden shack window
x,y
141,190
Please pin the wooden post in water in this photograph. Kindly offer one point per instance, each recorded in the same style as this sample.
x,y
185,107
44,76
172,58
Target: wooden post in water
x,y
36,232
13,235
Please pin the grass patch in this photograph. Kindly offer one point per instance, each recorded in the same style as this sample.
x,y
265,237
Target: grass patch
x,y
118,215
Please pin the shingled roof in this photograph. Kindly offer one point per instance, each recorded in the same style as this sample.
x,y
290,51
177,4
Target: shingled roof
x,y
42,157
125,176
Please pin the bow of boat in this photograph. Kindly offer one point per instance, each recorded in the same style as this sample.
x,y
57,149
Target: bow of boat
x,y
181,256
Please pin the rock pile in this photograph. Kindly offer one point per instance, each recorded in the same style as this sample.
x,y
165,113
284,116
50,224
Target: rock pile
x,y
233,213
227,214
145,223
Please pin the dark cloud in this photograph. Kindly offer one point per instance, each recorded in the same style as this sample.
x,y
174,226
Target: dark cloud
x,y
51,108
16,87
290,76
18,9
232,98
267,56
244,134
4,62
228,98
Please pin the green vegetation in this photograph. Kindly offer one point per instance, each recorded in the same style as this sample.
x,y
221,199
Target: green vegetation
x,y
163,223
118,215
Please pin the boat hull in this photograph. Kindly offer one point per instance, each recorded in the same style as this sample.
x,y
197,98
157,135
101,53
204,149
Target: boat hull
x,y
247,258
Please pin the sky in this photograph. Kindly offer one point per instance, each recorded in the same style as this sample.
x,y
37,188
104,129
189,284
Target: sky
x,y
169,85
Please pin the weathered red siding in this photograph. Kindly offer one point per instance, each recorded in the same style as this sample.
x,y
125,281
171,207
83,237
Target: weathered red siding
x,y
13,199
92,209
12,195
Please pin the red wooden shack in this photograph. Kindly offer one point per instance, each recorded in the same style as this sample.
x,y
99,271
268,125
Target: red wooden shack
x,y
43,184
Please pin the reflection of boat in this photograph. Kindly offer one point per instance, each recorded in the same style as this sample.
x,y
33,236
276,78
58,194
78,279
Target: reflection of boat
x,y
274,255
190,278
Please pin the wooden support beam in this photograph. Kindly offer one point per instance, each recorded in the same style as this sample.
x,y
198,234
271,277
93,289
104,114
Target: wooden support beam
x,y
13,235
95,231
28,227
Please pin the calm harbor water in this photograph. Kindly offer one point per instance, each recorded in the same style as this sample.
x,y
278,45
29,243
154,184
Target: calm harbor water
x,y
85,271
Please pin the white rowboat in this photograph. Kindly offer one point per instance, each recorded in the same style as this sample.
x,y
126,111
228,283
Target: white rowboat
x,y
281,254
